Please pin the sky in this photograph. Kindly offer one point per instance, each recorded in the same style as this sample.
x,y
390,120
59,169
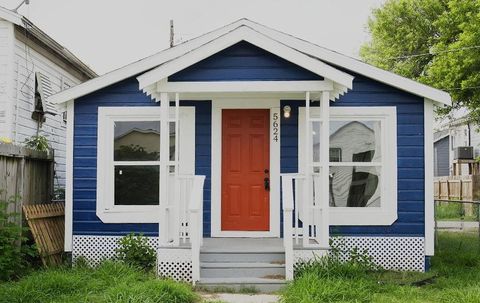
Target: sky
x,y
108,34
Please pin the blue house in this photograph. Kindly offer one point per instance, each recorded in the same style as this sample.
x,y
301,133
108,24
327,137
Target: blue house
x,y
245,151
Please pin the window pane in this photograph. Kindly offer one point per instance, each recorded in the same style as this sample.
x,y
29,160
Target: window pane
x,y
355,186
137,141
355,141
136,185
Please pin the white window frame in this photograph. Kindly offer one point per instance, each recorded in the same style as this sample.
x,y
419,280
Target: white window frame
x,y
386,214
107,211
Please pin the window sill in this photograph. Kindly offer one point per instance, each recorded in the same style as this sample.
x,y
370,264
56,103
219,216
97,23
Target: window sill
x,y
150,215
362,217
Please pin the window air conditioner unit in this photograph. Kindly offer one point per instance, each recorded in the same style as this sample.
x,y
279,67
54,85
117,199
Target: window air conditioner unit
x,y
463,152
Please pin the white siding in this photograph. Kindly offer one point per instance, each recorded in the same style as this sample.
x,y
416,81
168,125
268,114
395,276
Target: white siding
x,y
475,139
26,62
6,65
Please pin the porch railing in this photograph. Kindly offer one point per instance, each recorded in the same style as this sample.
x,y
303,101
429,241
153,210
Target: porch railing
x,y
195,208
304,214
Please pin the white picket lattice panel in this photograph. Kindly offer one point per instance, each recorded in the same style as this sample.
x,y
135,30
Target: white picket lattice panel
x,y
95,249
392,253
175,263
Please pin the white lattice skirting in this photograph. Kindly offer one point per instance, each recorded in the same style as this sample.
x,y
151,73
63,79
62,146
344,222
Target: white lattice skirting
x,y
95,249
175,263
393,253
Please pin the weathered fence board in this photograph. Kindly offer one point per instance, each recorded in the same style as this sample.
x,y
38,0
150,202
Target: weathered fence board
x,y
47,223
26,174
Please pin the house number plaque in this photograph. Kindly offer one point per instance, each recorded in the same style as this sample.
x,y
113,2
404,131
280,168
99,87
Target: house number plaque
x,y
275,124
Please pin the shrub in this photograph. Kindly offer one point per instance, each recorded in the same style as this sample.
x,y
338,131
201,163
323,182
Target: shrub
x,y
134,250
358,263
39,143
14,250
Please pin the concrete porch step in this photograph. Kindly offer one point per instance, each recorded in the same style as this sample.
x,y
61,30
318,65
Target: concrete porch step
x,y
242,257
241,270
259,284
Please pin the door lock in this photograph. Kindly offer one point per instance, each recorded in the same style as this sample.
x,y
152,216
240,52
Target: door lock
x,y
266,183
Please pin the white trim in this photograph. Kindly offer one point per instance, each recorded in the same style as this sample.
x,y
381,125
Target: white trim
x,y
140,66
106,210
69,176
245,33
244,86
355,65
10,16
217,106
428,157
290,41
386,214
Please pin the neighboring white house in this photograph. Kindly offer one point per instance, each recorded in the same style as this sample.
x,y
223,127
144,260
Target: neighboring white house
x,y
32,67
458,131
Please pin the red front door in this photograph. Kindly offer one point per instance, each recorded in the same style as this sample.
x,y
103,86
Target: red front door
x,y
245,165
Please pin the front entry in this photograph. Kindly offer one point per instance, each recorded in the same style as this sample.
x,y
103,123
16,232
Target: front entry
x,y
245,204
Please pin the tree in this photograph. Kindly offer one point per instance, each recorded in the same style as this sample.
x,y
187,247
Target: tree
x,y
436,42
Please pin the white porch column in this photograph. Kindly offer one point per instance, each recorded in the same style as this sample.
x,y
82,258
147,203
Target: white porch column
x,y
164,157
307,169
325,169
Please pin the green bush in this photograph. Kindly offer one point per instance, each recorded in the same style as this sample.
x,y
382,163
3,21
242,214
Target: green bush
x,y
14,250
134,250
39,143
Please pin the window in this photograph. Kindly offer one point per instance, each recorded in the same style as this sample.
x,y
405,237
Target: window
x,y
128,172
362,163
355,185
136,156
43,90
335,154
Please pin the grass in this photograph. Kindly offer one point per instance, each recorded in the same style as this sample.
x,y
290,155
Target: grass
x,y
454,277
110,282
453,211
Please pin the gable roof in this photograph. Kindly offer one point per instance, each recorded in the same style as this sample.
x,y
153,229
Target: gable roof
x,y
49,42
287,42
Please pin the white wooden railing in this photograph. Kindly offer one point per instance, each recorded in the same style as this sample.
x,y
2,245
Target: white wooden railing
x,y
305,216
195,208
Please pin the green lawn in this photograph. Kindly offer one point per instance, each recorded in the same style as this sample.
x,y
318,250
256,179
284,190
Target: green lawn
x,y
455,277
453,212
455,272
110,283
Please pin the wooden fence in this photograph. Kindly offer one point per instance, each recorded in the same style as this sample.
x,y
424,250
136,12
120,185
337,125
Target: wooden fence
x,y
27,174
47,224
458,188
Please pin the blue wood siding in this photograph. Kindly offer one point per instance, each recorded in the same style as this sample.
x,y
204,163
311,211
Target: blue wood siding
x,y
410,143
241,62
244,62
125,93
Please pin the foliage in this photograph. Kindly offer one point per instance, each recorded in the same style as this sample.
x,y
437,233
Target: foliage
x,y
454,277
109,282
39,143
135,153
134,250
436,42
14,250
